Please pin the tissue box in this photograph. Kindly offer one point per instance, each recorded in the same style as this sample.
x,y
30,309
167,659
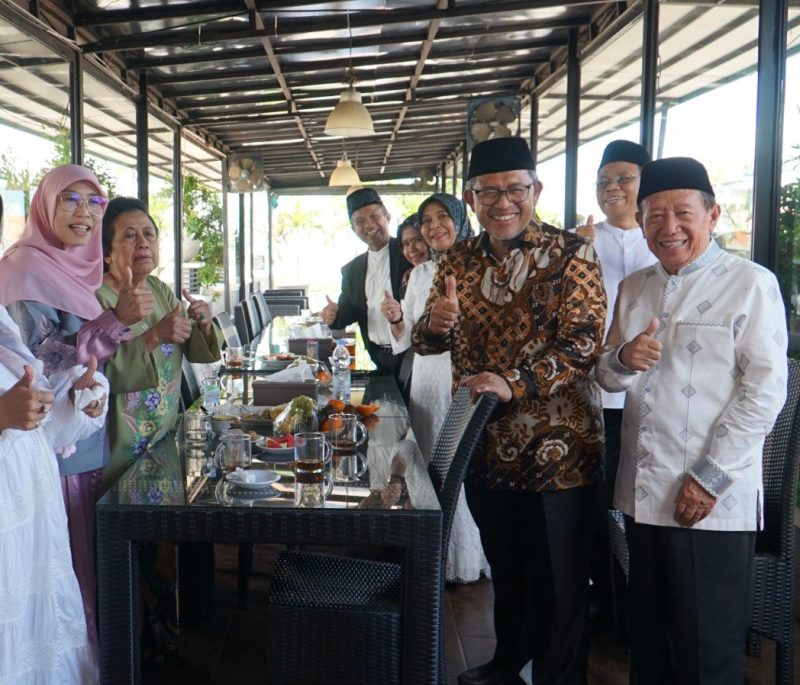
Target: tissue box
x,y
326,347
272,393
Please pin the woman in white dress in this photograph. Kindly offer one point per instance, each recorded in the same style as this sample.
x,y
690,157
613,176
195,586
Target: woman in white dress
x,y
443,222
43,635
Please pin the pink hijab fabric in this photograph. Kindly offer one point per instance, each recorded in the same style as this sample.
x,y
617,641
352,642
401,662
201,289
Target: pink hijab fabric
x,y
39,268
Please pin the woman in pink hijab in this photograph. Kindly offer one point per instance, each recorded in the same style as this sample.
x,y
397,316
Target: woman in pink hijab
x,y
48,281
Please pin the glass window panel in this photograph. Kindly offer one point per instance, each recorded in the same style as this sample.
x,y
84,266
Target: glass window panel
x,y
788,270
109,136
34,122
707,93
161,154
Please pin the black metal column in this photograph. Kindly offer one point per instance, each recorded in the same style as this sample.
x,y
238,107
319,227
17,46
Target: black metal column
x,y
649,74
226,252
142,142
251,273
772,21
76,108
573,127
464,166
240,250
177,208
533,142
270,280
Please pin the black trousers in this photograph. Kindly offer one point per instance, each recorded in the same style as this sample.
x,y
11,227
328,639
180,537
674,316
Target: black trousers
x,y
538,545
600,568
689,604
386,362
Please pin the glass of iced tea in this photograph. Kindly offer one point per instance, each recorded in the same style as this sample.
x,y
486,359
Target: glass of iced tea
x,y
311,453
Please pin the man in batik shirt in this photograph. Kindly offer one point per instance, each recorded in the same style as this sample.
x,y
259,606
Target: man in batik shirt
x,y
521,308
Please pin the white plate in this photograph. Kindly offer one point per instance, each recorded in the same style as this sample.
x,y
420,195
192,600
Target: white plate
x,y
275,455
262,479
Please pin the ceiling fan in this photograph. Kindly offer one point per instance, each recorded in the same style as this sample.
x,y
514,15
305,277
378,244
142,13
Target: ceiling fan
x,y
489,118
245,175
424,179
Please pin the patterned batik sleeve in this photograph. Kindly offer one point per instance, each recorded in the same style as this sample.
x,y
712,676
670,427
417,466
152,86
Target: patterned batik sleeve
x,y
579,336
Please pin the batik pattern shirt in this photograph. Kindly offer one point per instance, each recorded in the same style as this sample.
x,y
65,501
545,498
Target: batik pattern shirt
x,y
707,405
536,318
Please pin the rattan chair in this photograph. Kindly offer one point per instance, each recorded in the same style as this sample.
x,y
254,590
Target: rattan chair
x,y
284,309
350,609
262,309
229,332
773,569
404,375
190,387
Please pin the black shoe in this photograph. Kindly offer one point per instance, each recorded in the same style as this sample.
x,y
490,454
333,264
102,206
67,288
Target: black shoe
x,y
490,674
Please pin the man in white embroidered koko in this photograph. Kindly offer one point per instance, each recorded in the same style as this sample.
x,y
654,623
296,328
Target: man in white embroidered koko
x,y
698,342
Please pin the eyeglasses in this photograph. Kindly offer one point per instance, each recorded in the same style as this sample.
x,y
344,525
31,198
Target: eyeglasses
x,y
70,201
490,196
603,183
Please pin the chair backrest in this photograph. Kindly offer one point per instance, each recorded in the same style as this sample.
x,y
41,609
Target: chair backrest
x,y
284,309
404,375
241,324
251,318
284,292
781,465
458,437
262,309
190,387
224,323
301,302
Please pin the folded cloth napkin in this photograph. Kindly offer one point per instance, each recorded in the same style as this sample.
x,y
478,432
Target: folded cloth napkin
x,y
242,476
86,396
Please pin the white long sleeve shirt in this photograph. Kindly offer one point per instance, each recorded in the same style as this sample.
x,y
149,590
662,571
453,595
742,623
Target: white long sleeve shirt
x,y
708,404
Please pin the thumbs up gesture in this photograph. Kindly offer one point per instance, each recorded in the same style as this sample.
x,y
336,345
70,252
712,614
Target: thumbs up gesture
x,y
173,328
329,311
135,301
587,229
199,311
21,406
643,351
445,310
391,308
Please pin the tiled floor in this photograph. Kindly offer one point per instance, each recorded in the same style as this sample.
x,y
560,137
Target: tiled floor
x,y
228,647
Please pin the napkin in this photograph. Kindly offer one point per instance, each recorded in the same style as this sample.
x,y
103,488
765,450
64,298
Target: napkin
x,y
242,476
297,372
85,396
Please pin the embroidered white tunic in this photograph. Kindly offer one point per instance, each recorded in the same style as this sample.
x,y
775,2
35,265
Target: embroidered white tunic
x,y
708,404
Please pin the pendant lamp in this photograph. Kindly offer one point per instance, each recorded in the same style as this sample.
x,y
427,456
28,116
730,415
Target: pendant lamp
x,y
344,174
350,117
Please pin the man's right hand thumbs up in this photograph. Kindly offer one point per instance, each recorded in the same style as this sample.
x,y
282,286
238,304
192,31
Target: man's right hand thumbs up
x,y
329,311
21,407
134,301
587,229
644,350
391,308
445,311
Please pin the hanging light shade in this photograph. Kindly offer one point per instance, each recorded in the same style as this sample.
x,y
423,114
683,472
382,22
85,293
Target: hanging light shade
x,y
350,117
344,174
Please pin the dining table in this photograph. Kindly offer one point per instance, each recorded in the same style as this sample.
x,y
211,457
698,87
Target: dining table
x,y
175,493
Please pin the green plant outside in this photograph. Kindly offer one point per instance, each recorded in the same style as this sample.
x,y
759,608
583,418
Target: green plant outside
x,y
202,220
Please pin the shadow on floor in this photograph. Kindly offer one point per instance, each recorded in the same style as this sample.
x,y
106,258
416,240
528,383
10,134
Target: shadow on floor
x,y
228,646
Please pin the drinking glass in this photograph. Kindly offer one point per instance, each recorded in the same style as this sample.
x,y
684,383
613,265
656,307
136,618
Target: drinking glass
x,y
235,450
346,434
311,452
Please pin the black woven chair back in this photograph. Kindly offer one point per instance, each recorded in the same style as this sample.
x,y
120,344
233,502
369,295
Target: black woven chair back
x,y
262,309
251,319
241,324
190,387
404,375
458,437
284,309
224,323
781,465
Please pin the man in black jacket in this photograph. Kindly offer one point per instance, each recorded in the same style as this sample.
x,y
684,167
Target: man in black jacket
x,y
367,278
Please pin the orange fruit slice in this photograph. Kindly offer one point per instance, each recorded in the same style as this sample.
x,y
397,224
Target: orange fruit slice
x,y
338,405
367,409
